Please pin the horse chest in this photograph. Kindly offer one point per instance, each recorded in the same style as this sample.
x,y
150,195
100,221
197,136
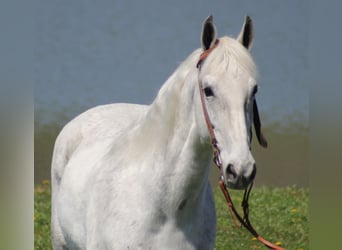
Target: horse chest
x,y
137,223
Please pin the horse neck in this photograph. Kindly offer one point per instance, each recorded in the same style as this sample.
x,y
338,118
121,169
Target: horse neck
x,y
171,114
171,133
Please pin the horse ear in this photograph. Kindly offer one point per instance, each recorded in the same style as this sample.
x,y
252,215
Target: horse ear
x,y
209,34
247,33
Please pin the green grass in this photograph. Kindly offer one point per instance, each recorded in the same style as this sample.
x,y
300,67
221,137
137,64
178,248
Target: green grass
x,y
278,214
42,213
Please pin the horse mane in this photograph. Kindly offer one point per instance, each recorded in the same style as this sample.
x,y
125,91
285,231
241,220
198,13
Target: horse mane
x,y
167,101
179,76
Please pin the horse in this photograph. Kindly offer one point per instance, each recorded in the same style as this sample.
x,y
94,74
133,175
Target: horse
x,y
130,176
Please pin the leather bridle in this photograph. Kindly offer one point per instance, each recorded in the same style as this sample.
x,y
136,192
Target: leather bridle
x,y
217,158
214,143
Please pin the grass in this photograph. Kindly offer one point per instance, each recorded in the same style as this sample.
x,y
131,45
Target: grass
x,y
279,214
42,213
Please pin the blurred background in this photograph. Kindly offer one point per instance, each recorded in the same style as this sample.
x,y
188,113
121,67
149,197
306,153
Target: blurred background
x,y
89,53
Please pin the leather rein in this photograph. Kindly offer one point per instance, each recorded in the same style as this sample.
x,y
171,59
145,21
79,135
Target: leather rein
x,y
217,159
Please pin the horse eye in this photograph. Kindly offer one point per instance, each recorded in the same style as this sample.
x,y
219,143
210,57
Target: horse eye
x,y
208,91
255,90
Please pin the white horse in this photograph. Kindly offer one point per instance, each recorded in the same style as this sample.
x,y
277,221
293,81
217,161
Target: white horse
x,y
128,176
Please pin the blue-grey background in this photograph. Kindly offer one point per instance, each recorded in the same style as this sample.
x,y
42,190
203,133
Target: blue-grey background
x,y
19,25
88,53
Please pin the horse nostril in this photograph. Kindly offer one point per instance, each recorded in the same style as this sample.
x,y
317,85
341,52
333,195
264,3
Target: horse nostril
x,y
230,171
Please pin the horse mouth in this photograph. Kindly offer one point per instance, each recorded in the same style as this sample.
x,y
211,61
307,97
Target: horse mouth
x,y
238,184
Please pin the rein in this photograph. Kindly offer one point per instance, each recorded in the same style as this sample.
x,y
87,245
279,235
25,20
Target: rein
x,y
217,160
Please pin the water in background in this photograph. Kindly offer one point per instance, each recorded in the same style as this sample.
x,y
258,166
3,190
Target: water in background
x,y
89,53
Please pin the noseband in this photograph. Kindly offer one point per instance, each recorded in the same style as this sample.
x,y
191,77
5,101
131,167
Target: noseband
x,y
217,158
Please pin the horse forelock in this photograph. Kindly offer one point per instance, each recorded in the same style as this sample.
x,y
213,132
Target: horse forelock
x,y
230,55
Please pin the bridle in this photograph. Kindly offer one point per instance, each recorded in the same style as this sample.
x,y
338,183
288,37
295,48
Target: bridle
x,y
217,158
214,143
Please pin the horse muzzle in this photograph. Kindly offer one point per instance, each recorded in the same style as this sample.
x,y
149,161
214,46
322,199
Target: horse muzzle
x,y
236,179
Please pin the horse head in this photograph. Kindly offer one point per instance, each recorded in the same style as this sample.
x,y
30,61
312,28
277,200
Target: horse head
x,y
227,78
